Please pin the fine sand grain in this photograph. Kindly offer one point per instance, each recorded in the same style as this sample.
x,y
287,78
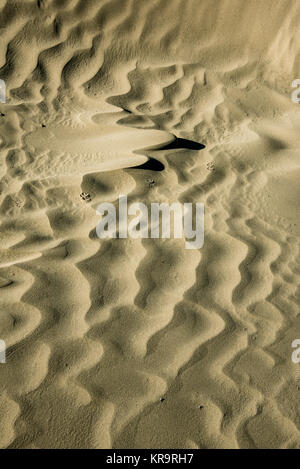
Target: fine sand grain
x,y
141,343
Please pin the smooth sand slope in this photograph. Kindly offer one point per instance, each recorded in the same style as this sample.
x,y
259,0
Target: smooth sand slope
x,y
142,343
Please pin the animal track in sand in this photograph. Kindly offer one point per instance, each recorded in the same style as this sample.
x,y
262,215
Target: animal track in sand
x,y
86,197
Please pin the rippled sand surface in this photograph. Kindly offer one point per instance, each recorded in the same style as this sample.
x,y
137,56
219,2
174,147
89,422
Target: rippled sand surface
x,y
141,343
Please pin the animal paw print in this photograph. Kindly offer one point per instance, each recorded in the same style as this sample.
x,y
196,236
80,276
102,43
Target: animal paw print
x,y
18,202
85,196
210,166
150,182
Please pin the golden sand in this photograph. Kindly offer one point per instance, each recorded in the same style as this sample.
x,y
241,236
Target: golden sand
x,y
140,343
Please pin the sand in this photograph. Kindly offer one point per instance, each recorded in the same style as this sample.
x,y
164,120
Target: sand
x,y
141,343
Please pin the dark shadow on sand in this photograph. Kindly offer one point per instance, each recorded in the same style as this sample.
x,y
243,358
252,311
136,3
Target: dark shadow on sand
x,y
183,143
178,144
152,164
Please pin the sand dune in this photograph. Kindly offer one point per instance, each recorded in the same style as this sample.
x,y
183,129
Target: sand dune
x,y
140,343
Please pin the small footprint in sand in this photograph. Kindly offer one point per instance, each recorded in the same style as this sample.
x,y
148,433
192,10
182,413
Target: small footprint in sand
x,y
150,183
86,197
18,203
210,167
